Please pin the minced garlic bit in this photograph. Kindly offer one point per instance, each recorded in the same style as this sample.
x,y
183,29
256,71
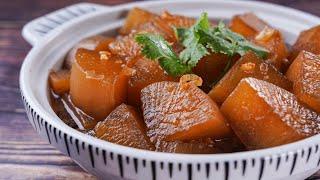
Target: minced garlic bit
x,y
265,34
165,14
104,55
171,43
118,61
191,78
128,71
248,67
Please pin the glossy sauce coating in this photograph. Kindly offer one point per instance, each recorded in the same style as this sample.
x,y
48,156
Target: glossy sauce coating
x,y
90,43
202,146
174,111
70,114
126,48
60,81
98,82
248,25
124,126
272,40
146,73
308,40
211,67
135,18
250,65
304,72
263,115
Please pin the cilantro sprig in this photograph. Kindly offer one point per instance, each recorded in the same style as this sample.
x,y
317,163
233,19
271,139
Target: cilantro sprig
x,y
155,47
192,40
239,45
199,40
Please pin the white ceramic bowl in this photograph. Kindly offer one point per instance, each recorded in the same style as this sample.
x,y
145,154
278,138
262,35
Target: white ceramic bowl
x,y
53,35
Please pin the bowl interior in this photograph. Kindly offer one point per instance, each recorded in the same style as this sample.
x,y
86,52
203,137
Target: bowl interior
x,y
50,54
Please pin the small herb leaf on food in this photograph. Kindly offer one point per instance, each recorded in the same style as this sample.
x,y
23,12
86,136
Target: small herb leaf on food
x,y
199,40
219,39
239,43
155,47
191,40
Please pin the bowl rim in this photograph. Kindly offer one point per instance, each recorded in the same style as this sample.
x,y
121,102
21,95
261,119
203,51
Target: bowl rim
x,y
26,92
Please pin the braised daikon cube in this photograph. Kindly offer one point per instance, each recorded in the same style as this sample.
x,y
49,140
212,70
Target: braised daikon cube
x,y
264,115
136,17
124,126
181,111
90,43
98,82
211,67
163,25
250,65
60,81
308,40
272,40
126,48
248,25
201,146
304,72
146,73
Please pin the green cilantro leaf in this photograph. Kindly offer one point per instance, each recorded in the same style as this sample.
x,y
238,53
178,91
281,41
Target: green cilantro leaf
x,y
217,44
155,47
198,40
191,40
240,44
219,39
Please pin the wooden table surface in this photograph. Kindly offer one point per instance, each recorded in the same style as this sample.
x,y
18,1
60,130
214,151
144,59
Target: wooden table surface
x,y
23,154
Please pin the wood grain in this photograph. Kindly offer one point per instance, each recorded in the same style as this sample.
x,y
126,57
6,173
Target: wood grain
x,y
23,154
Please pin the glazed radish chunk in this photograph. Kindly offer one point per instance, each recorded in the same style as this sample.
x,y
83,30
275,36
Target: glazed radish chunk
x,y
126,48
249,65
308,40
135,18
211,67
163,25
248,25
124,126
304,72
91,43
201,146
181,111
98,82
146,73
264,115
141,21
60,81
272,40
